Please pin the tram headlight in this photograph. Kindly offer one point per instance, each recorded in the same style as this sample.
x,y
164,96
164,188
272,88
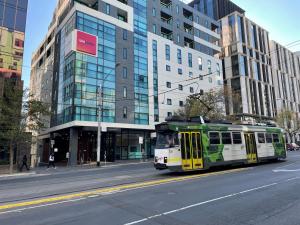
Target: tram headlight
x,y
165,159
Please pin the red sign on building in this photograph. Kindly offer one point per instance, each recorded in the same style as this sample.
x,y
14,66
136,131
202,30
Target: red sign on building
x,y
86,43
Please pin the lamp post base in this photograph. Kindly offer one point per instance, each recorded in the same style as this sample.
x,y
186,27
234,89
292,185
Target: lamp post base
x,y
98,164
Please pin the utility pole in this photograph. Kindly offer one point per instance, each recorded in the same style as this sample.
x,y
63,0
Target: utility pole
x,y
100,101
99,123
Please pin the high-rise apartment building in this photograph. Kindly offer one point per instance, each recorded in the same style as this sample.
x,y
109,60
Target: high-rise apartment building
x,y
286,77
146,55
216,9
247,69
12,33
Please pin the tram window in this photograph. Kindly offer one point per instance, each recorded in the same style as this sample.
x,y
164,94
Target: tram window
x,y
214,138
261,138
195,147
226,138
269,138
188,146
275,138
182,142
237,138
199,145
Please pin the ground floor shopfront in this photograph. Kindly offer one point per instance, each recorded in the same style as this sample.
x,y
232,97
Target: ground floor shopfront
x,y
78,145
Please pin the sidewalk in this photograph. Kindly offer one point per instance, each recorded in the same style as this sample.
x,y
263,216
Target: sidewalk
x,y
62,168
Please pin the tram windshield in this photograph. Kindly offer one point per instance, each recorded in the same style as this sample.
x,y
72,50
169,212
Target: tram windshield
x,y
167,140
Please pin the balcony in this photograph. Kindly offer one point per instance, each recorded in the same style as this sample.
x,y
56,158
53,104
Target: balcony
x,y
189,43
188,14
123,1
166,4
188,28
166,33
122,15
166,18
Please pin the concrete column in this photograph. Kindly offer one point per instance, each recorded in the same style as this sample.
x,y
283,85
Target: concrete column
x,y
73,146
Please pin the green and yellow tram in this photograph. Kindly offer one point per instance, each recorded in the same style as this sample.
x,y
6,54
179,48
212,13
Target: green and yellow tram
x,y
188,146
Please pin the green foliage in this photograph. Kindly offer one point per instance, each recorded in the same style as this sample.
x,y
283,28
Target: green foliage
x,y
19,115
209,104
289,121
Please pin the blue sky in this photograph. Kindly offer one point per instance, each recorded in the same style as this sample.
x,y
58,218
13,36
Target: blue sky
x,y
39,15
280,17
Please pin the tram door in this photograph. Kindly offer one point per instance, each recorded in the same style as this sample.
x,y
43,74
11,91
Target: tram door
x,y
251,147
191,150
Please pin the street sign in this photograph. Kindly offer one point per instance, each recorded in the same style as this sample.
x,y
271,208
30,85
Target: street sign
x,y
141,140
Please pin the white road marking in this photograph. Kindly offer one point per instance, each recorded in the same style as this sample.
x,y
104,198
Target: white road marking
x,y
93,196
294,178
39,206
286,170
285,166
201,203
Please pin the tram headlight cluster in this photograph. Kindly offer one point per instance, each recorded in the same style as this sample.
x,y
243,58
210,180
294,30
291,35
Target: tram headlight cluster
x,y
165,159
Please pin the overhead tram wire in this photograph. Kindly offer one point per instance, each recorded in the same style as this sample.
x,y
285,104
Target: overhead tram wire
x,y
164,92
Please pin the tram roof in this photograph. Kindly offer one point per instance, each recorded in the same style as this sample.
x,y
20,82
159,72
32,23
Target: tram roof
x,y
214,126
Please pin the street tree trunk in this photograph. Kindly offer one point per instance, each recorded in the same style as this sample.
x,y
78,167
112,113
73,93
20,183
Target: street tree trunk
x,y
11,158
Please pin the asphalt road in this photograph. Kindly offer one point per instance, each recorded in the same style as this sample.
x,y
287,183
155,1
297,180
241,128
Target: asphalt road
x,y
268,194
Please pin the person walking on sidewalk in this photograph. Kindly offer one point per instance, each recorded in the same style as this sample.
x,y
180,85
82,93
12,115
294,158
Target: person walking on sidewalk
x,y
24,163
51,161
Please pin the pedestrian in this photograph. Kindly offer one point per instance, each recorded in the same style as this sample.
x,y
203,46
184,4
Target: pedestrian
x,y
24,163
51,161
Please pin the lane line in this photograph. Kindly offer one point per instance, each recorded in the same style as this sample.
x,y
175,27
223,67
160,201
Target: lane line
x,y
201,203
294,178
47,201
44,205
285,165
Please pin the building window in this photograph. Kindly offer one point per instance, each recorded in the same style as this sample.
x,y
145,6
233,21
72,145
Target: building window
x,y
124,34
200,64
153,12
124,92
168,52
179,56
191,90
124,53
197,19
154,28
209,66
181,103
210,80
169,114
190,60
168,84
178,38
180,71
180,87
177,9
169,101
107,8
125,112
218,69
124,72
168,68
190,74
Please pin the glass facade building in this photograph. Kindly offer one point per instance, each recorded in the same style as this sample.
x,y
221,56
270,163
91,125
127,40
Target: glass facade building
x,y
141,113
12,34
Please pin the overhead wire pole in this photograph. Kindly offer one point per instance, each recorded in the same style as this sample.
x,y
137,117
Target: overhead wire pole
x,y
100,102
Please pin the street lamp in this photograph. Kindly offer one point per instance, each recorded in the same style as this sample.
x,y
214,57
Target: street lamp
x,y
100,96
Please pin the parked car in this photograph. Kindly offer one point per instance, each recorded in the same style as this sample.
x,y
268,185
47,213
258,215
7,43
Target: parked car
x,y
292,147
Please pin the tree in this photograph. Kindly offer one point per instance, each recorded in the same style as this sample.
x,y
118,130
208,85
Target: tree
x,y
209,104
289,121
19,113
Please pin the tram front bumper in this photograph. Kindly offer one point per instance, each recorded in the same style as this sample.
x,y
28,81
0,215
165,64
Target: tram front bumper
x,y
160,166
